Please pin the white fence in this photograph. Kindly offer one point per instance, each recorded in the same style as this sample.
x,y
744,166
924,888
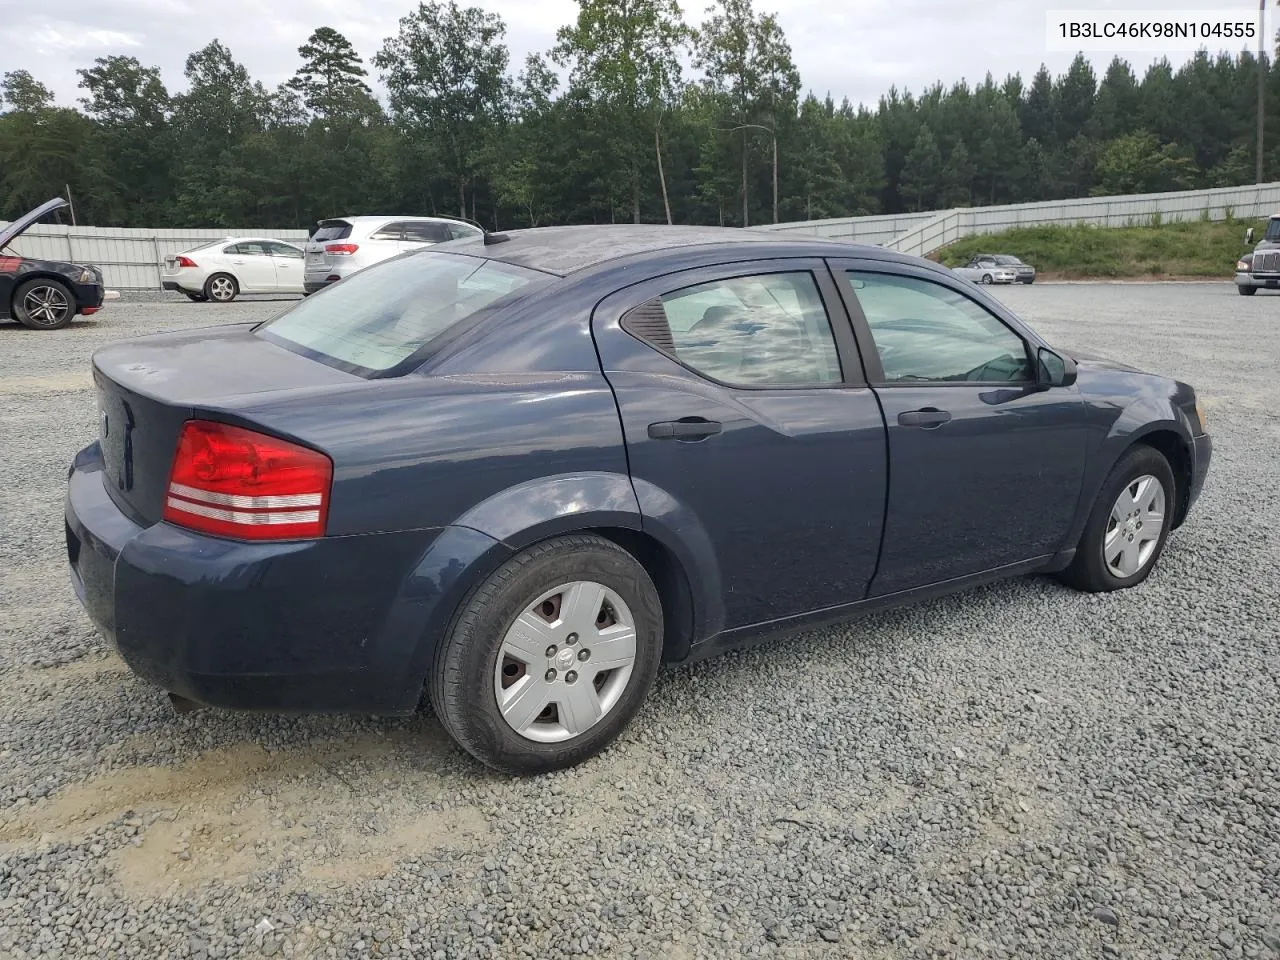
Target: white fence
x,y
131,259
941,227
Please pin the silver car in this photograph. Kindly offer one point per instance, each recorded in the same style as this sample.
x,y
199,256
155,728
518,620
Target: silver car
x,y
340,247
985,269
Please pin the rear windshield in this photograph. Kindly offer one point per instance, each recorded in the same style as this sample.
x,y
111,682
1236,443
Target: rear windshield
x,y
332,230
376,319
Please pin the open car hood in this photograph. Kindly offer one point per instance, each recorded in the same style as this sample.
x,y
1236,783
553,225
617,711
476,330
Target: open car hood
x,y
19,226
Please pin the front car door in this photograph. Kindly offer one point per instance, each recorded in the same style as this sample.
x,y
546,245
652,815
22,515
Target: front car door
x,y
254,269
288,263
985,466
749,429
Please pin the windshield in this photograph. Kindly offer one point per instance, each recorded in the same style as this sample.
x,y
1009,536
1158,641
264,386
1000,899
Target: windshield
x,y
1273,230
378,318
331,230
1008,261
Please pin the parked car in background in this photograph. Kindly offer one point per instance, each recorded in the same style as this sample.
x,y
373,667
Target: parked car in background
x,y
518,472
984,269
1260,269
45,294
340,247
1023,272
224,269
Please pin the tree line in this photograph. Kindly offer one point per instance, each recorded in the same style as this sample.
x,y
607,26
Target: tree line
x,y
629,134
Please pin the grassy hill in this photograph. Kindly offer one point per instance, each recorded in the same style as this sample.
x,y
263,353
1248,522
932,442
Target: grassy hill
x,y
1193,249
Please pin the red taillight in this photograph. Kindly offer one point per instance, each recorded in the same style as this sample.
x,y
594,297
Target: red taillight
x,y
185,262
341,249
237,483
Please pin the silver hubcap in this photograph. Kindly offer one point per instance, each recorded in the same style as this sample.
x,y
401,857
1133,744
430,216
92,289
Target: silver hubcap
x,y
565,662
46,305
1133,530
222,289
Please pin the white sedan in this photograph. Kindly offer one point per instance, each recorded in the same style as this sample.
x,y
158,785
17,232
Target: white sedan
x,y
224,269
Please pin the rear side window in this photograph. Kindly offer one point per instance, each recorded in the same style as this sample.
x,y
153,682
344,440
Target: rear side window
x,y
427,232
389,231
375,320
332,230
769,330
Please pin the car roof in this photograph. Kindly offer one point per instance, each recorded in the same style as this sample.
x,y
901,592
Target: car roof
x,y
389,217
566,250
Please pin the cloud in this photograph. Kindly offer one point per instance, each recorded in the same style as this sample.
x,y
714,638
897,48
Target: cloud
x,y
854,50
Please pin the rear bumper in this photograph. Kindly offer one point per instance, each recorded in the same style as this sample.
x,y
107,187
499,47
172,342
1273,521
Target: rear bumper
x,y
337,624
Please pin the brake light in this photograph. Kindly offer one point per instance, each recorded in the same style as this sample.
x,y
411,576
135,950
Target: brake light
x,y
341,249
185,262
238,483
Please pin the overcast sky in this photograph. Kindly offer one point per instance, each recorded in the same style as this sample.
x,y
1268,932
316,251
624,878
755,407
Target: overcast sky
x,y
854,48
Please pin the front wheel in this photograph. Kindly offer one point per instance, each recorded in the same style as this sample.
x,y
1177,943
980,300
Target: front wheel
x,y
44,304
1246,291
1129,525
550,657
987,279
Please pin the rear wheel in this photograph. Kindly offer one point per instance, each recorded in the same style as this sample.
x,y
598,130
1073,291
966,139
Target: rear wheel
x,y
221,288
1246,291
550,657
1129,525
42,304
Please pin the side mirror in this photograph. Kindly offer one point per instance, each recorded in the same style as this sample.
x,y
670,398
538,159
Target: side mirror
x,y
1053,369
1248,235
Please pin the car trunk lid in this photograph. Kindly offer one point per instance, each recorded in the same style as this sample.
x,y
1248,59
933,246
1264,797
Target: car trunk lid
x,y
327,232
147,389
18,227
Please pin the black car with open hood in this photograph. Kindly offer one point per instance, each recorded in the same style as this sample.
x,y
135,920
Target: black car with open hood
x,y
44,294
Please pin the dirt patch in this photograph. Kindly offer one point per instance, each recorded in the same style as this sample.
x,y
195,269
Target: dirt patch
x,y
67,382
240,812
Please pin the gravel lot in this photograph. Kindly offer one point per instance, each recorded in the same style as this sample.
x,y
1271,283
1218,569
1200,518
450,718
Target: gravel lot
x,y
1018,771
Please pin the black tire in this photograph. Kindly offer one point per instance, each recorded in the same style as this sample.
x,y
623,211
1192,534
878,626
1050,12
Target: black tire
x,y
1246,291
987,279
1088,571
33,301
214,288
197,298
463,676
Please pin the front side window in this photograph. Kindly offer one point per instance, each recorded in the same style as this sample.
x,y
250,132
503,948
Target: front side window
x,y
924,331
284,250
378,318
757,331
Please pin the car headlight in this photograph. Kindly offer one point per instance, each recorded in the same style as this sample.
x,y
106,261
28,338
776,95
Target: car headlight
x,y
1243,266
1204,424
88,275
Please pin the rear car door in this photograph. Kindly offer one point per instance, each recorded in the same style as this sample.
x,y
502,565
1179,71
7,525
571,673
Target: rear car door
x,y
985,466
748,426
288,263
253,266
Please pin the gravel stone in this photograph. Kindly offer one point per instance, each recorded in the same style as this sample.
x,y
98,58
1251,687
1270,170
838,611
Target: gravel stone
x,y
974,776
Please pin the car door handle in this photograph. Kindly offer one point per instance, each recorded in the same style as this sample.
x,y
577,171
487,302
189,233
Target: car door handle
x,y
930,418
691,428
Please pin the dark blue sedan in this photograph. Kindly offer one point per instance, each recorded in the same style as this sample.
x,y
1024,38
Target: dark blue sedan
x,y
518,472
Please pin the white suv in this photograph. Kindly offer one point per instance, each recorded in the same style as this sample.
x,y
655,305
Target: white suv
x,y
340,247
